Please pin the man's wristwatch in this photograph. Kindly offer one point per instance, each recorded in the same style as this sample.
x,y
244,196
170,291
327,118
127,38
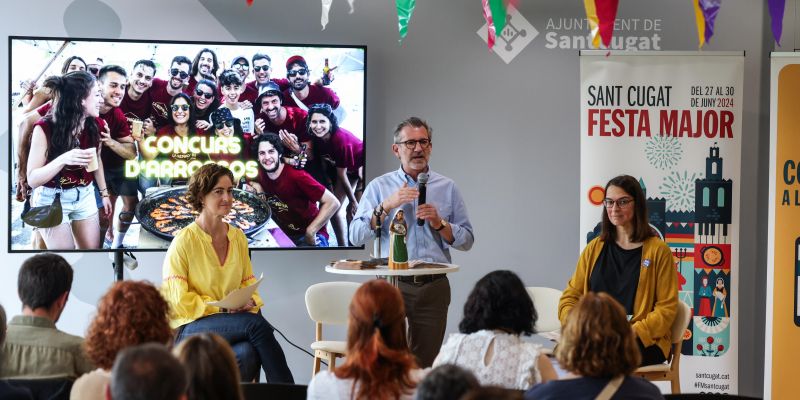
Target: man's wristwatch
x,y
442,226
379,211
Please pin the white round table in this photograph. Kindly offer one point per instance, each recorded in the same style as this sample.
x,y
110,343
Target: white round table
x,y
392,274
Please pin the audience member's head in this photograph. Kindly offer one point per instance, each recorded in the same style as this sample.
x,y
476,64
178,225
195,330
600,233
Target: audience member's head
x,y
492,393
129,314
147,372
597,340
446,382
378,359
44,283
210,367
499,301
2,325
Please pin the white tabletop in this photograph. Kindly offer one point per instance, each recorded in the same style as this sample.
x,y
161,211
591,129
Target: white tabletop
x,y
383,270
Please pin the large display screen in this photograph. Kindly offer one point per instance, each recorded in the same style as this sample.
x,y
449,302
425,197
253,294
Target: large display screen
x,y
106,134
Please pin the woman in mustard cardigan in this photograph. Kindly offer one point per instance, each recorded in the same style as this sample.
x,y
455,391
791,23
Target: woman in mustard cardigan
x,y
629,262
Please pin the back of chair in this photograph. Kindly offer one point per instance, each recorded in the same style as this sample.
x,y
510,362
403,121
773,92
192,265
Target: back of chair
x,y
329,302
261,391
681,321
45,389
545,300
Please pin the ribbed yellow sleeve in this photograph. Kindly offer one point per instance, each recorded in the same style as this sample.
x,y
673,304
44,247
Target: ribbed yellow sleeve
x,y
192,274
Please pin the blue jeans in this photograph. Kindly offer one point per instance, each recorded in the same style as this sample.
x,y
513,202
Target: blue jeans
x,y
300,241
245,331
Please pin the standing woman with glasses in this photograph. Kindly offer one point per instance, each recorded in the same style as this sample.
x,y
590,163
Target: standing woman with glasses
x,y
205,102
341,155
65,159
633,265
181,124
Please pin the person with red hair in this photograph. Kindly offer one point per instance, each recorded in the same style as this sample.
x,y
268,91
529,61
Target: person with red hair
x,y
379,364
129,314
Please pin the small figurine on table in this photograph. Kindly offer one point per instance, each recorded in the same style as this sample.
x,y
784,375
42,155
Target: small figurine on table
x,y
398,253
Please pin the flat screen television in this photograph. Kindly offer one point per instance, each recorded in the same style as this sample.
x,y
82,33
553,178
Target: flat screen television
x,y
156,111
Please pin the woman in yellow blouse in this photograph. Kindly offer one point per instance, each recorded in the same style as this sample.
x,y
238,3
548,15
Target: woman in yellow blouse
x,y
208,259
629,262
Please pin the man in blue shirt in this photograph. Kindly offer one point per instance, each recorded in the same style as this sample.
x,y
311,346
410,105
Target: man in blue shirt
x,y
446,226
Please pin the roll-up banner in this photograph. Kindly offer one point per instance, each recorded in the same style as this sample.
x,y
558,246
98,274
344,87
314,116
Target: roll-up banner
x,y
673,121
783,253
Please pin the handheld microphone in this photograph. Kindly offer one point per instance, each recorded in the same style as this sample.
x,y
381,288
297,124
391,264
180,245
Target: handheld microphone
x,y
422,183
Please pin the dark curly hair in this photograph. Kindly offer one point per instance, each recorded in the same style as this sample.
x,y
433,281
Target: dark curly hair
x,y
203,182
499,301
129,314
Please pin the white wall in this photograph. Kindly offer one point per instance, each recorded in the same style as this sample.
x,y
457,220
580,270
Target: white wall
x,y
507,133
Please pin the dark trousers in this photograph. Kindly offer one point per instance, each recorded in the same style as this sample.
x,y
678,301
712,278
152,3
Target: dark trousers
x,y
242,328
426,310
650,355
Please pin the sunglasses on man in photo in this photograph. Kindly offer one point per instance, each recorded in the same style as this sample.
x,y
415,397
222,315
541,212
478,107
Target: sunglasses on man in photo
x,y
177,72
295,72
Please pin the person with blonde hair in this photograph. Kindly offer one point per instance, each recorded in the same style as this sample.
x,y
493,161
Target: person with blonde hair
x,y
379,364
210,367
598,348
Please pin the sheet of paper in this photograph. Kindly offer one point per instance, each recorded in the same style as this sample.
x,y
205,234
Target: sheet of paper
x,y
239,297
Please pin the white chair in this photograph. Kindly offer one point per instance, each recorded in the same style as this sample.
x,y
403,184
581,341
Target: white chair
x,y
545,300
670,370
328,303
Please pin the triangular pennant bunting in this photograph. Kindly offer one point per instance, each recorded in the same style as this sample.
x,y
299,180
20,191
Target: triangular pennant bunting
x,y
405,8
776,8
326,9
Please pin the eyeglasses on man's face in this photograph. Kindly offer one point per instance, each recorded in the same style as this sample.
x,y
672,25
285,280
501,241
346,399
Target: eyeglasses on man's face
x,y
412,144
624,202
258,68
295,72
240,66
177,72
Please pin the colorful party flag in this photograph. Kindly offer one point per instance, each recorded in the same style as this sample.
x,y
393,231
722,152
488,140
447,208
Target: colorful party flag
x,y
601,15
495,13
490,28
594,25
776,8
405,8
701,23
326,9
710,9
606,14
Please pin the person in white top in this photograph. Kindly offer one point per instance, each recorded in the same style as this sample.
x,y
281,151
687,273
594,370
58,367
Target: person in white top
x,y
379,364
497,312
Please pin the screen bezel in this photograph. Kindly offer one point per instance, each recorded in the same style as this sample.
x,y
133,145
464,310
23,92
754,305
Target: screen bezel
x,y
12,157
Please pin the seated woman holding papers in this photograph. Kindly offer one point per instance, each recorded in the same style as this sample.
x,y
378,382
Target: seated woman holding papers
x,y
218,256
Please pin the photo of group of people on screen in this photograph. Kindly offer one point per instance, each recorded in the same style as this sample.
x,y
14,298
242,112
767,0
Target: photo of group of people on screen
x,y
108,125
